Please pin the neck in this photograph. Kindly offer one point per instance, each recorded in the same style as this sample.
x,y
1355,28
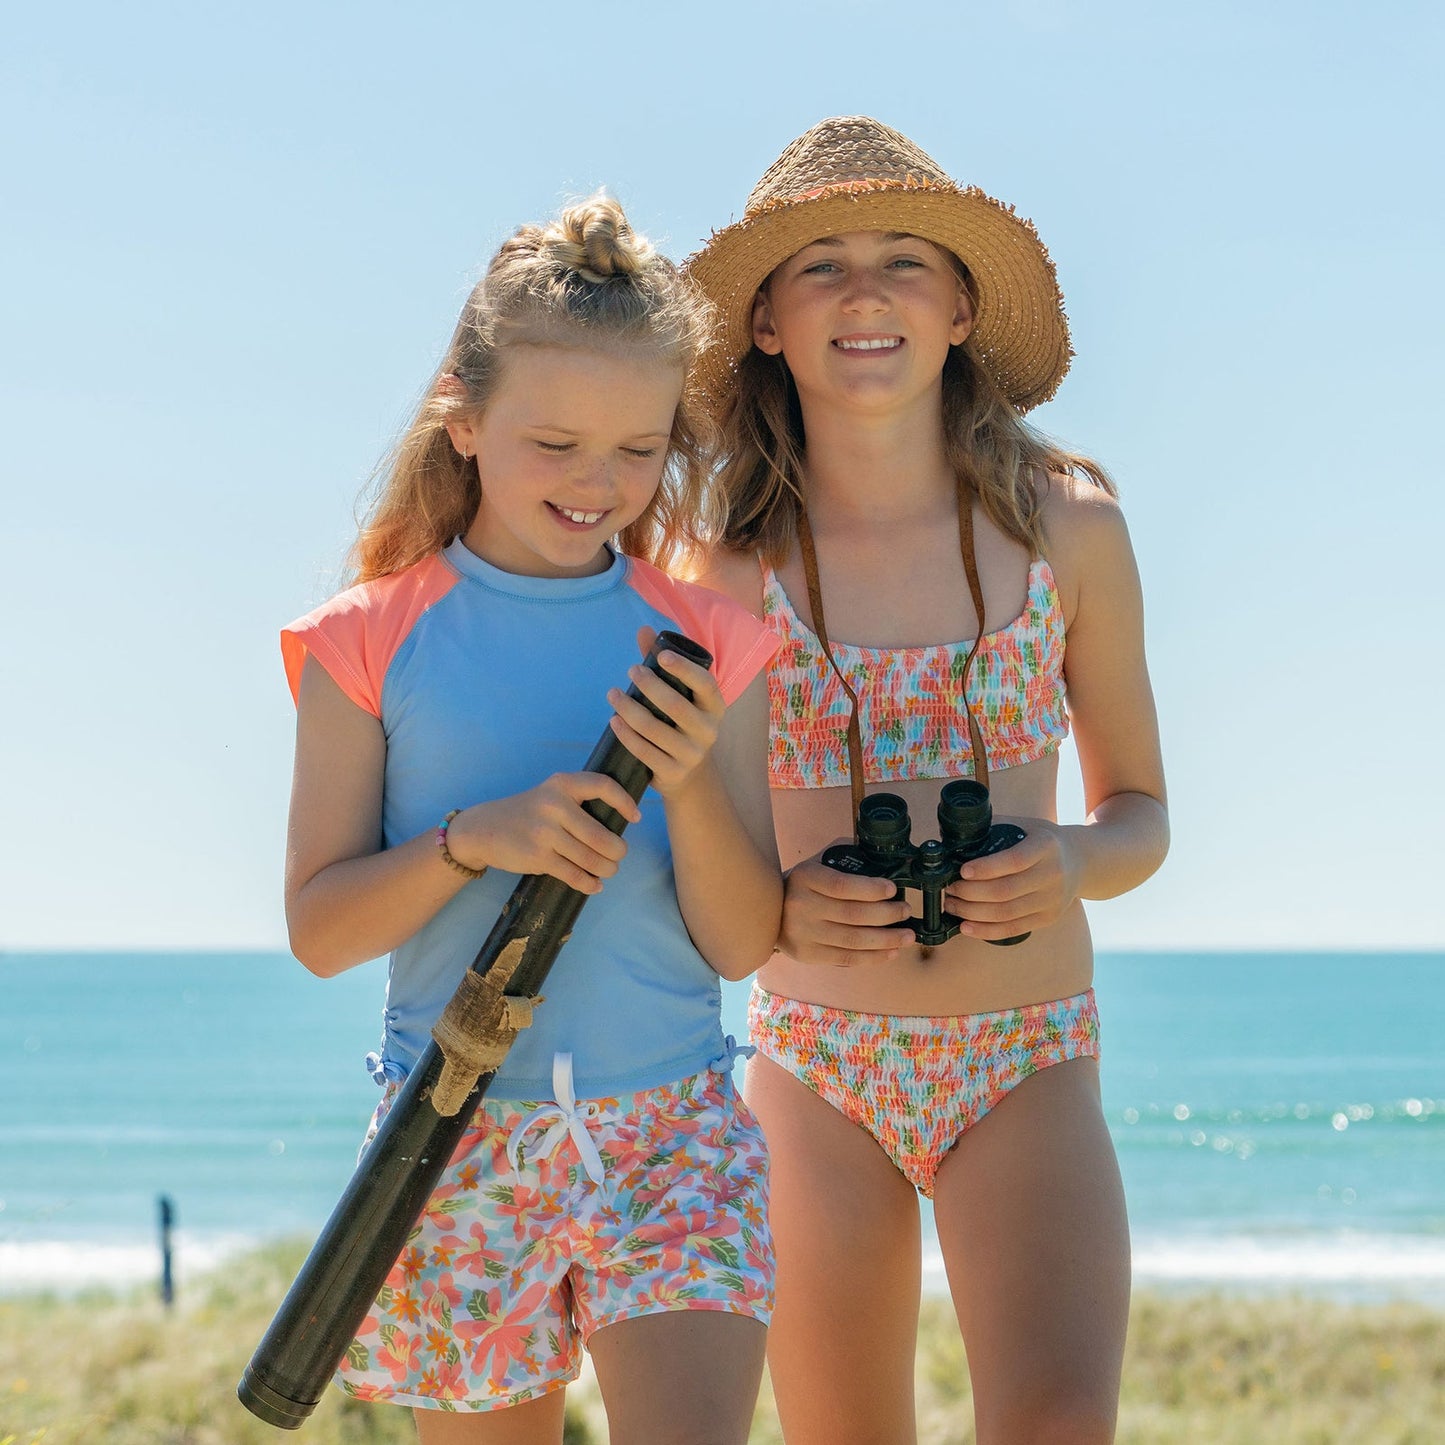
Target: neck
x,y
869,466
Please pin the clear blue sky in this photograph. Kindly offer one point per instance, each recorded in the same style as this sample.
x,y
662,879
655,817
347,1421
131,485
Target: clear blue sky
x,y
235,242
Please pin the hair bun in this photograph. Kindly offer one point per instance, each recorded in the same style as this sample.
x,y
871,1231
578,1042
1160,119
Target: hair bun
x,y
595,240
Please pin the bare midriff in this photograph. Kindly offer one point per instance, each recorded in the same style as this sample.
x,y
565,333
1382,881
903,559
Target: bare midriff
x,y
963,976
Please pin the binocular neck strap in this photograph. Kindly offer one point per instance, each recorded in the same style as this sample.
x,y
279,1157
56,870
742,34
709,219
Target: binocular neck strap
x,y
820,627
975,588
815,604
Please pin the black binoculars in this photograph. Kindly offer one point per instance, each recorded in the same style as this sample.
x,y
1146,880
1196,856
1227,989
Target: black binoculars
x,y
885,850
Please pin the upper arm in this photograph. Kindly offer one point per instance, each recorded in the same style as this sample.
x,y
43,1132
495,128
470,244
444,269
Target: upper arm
x,y
741,756
1111,702
336,787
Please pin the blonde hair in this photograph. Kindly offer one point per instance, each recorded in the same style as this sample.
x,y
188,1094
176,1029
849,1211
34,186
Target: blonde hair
x,y
1004,461
585,280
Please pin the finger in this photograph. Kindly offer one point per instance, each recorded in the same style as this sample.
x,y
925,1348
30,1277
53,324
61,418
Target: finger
x,y
845,957
992,932
591,835
865,913
861,887
999,865
858,958
696,678
706,698
593,863
584,787
684,724
646,636
662,763
997,890
1010,911
863,939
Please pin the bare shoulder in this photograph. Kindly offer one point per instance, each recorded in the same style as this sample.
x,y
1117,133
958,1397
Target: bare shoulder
x,y
736,575
1086,538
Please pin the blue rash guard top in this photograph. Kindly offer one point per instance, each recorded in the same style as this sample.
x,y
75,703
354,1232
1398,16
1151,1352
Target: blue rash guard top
x,y
486,683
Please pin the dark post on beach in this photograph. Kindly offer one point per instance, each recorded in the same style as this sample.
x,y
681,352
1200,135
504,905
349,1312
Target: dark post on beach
x,y
376,1214
167,1219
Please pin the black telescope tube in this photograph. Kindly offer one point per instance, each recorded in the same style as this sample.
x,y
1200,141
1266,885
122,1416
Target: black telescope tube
x,y
376,1214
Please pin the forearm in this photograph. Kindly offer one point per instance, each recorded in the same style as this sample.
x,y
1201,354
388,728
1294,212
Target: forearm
x,y
728,888
1123,841
360,908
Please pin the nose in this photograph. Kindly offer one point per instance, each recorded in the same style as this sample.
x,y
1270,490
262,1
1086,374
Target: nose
x,y
864,294
595,475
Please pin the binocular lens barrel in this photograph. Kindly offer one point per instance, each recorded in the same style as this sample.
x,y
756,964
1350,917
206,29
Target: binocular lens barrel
x,y
883,823
964,813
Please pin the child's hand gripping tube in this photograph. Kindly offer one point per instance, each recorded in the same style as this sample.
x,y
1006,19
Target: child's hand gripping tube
x,y
884,850
370,1224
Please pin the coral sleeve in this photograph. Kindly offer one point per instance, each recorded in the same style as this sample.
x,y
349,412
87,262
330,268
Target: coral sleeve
x,y
356,634
741,645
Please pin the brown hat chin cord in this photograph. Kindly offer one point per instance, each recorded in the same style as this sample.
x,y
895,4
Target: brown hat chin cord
x,y
820,627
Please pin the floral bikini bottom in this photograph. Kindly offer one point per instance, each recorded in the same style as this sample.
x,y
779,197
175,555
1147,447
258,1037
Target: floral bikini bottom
x,y
917,1085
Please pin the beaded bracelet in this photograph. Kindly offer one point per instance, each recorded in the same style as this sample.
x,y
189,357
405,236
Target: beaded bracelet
x,y
447,852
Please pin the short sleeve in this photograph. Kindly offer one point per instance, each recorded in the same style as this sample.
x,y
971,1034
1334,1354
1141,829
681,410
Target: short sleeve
x,y
356,634
740,644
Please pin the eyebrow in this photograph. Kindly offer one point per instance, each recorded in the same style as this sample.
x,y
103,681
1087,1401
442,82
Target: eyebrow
x,y
651,436
888,237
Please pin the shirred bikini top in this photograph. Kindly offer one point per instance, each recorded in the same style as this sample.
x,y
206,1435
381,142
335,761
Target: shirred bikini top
x,y
910,710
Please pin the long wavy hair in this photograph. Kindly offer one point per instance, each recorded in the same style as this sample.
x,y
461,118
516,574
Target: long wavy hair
x,y
1004,462
585,280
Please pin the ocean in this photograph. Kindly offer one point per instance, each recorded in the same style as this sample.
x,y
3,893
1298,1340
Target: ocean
x,y
1279,1117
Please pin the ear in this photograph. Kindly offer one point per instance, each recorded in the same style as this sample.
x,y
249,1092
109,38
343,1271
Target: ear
x,y
462,428
962,327
765,335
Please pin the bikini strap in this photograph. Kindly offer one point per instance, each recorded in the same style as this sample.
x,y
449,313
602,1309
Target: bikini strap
x,y
820,628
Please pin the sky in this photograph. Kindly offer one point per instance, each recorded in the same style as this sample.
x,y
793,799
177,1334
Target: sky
x,y
234,241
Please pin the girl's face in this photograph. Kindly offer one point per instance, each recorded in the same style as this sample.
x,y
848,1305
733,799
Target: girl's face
x,y
570,450
864,319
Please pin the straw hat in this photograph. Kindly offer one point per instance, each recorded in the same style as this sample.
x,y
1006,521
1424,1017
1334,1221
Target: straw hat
x,y
852,173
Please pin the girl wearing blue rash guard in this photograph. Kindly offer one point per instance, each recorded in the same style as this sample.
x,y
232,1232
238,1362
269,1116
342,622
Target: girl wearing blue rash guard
x,y
611,1190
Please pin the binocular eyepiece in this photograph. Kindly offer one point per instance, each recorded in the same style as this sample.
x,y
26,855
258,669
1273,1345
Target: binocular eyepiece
x,y
885,850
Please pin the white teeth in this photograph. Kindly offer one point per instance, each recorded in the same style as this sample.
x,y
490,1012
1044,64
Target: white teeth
x,y
882,344
586,519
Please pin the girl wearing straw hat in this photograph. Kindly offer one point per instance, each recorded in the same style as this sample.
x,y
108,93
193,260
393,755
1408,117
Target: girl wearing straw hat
x,y
883,332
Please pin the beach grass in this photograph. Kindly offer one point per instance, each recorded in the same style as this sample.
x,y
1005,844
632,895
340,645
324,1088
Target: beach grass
x,y
115,1367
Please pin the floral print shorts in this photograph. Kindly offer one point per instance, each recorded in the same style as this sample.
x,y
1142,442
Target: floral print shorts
x,y
556,1217
917,1085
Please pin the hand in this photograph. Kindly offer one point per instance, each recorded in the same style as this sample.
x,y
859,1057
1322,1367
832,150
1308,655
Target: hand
x,y
546,830
1022,889
673,753
841,918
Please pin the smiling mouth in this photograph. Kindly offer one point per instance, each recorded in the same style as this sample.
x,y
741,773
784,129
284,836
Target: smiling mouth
x,y
875,343
580,519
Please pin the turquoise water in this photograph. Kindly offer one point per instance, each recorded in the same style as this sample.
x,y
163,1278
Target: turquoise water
x,y
1280,1118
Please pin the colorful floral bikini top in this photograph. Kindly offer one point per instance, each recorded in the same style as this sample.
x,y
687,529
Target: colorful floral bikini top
x,y
913,724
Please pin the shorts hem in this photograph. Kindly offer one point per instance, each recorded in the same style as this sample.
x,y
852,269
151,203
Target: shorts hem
x,y
472,1405
762,1313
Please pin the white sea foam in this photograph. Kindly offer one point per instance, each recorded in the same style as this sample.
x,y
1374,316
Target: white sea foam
x,y
1346,1265
66,1266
